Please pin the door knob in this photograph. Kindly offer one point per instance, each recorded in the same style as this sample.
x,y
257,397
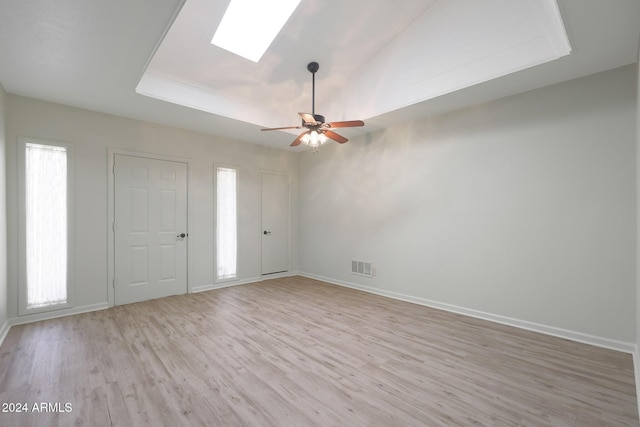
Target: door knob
x,y
181,235
265,232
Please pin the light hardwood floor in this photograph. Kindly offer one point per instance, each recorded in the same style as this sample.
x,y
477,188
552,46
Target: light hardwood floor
x,y
298,352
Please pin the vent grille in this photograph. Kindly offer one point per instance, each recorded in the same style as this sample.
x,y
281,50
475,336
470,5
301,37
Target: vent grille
x,y
361,268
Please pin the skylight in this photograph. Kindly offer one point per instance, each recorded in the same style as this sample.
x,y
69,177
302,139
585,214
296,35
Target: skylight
x,y
248,27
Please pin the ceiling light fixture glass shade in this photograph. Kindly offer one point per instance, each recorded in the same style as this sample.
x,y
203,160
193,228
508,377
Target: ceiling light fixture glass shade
x,y
314,139
248,27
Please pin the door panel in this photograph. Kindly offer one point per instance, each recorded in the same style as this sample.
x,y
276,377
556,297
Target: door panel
x,y
150,214
275,223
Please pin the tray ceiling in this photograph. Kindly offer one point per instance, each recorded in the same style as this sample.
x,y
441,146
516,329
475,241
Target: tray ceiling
x,y
372,60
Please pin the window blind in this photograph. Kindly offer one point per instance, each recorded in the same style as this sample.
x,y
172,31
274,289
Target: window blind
x,y
226,223
46,224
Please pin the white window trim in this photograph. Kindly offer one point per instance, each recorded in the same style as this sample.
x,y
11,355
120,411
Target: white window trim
x,y
22,239
216,279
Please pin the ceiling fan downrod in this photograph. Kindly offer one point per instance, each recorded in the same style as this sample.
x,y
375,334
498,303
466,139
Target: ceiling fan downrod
x,y
313,67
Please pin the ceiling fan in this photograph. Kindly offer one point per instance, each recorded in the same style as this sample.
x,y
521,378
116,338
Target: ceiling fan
x,y
317,129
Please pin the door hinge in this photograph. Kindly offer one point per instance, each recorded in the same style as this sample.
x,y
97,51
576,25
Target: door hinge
x,y
113,283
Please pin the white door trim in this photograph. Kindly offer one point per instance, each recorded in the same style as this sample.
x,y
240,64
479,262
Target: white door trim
x,y
111,153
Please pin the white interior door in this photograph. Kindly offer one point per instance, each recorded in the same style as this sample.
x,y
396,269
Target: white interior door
x,y
150,228
275,223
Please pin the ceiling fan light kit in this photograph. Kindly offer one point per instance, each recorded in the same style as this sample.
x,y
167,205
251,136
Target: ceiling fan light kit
x,y
318,131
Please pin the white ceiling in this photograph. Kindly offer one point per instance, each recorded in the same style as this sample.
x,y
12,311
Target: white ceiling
x,y
384,63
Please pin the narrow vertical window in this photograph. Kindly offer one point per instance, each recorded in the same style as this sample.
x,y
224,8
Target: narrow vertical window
x,y
46,223
226,223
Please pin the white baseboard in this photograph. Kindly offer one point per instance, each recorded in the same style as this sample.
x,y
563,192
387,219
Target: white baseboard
x,y
4,330
622,346
228,284
221,285
21,320
278,275
636,368
625,347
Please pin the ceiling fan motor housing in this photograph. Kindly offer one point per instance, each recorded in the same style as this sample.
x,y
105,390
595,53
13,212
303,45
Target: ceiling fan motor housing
x,y
319,119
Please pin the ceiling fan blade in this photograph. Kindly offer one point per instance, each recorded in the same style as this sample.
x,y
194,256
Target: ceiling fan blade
x,y
298,140
308,119
347,124
339,138
287,127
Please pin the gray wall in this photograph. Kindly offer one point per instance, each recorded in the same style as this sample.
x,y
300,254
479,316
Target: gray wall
x,y
3,214
637,341
92,134
522,208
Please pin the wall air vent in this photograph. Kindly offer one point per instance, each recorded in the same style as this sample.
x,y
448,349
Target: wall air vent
x,y
362,268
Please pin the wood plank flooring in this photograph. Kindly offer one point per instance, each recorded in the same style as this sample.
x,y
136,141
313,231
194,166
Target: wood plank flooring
x,y
298,352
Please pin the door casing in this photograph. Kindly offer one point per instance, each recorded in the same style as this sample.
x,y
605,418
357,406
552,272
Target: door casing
x,y
111,153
